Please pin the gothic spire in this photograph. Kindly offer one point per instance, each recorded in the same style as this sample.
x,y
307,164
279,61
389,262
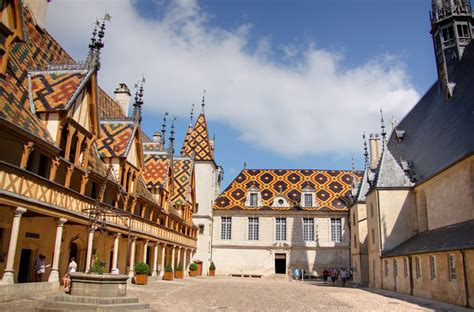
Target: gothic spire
x,y
382,126
203,103
191,116
137,105
171,146
163,129
366,153
96,43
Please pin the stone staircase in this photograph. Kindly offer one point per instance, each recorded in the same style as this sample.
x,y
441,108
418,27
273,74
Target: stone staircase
x,y
67,303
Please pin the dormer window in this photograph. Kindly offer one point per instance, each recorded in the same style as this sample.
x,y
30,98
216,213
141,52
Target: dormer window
x,y
307,197
308,200
253,199
280,201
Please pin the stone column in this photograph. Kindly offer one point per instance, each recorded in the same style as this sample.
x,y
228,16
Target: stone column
x,y
172,257
115,269
180,255
9,276
154,271
163,264
90,243
54,275
131,269
145,250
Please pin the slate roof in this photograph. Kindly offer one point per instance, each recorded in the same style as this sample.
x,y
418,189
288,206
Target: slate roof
x,y
116,137
182,173
437,132
389,173
452,237
155,169
362,187
198,141
332,188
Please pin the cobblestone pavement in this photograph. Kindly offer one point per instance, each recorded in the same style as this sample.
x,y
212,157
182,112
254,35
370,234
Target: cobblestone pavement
x,y
243,294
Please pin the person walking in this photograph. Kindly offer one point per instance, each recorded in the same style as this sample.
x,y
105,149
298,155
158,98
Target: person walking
x,y
40,268
344,277
325,275
334,275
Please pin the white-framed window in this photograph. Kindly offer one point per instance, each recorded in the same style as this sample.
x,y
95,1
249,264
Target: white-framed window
x,y
226,228
280,229
308,199
253,196
308,229
463,31
336,229
253,228
452,267
418,267
433,267
387,268
406,267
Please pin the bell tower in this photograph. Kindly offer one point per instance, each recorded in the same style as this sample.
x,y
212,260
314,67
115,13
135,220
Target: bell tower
x,y
452,30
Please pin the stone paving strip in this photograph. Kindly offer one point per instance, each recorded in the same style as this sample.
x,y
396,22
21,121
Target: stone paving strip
x,y
244,294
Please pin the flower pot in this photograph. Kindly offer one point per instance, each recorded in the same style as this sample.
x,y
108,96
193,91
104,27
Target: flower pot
x,y
168,276
193,273
212,272
178,274
141,279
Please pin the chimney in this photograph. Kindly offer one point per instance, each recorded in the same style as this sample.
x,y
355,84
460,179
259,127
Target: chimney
x,y
374,145
38,9
157,138
122,96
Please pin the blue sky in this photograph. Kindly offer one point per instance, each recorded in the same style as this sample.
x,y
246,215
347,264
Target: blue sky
x,y
253,57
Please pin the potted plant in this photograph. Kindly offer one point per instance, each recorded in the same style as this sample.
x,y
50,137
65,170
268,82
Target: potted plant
x,y
193,269
141,273
179,270
168,276
212,269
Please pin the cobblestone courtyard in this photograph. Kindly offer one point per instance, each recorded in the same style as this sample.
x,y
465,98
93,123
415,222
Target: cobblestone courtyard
x,y
240,294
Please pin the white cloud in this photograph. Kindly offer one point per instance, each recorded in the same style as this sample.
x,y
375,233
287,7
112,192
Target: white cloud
x,y
308,107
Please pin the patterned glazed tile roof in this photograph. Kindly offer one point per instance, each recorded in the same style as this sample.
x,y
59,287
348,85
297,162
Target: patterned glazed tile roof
x,y
156,169
186,149
38,50
198,141
54,90
116,138
152,147
182,172
108,107
332,188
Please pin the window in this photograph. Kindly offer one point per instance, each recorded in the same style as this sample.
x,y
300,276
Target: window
x,y
371,210
253,228
387,269
308,229
280,229
336,230
201,229
355,241
406,267
433,266
418,267
448,34
308,200
452,267
395,268
373,237
226,227
463,31
353,219
253,199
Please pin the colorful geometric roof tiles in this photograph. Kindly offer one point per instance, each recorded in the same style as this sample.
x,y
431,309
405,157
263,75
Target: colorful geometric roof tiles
x,y
332,188
198,141
53,90
108,107
152,147
116,138
156,169
182,172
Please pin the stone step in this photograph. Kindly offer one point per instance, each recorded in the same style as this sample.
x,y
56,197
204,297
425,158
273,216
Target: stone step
x,y
92,300
66,310
67,306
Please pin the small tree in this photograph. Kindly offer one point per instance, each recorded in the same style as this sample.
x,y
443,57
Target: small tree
x,y
97,266
212,267
142,268
179,267
168,268
193,267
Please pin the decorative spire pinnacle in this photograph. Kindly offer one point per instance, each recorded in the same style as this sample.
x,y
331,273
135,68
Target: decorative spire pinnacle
x,y
191,116
203,103
163,129
383,133
171,147
97,44
353,184
245,165
137,105
366,153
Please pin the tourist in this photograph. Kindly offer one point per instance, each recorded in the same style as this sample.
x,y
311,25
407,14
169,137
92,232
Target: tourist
x,y
325,275
40,268
334,275
344,276
67,277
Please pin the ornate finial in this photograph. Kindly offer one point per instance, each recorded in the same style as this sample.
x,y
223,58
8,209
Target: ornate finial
x,y
203,103
163,129
245,165
394,122
97,44
191,116
137,106
172,135
366,153
383,133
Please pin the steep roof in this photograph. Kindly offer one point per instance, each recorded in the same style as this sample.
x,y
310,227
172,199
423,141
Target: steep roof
x,y
362,187
108,107
389,173
332,188
36,51
198,141
438,132
182,172
452,237
116,137
156,169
